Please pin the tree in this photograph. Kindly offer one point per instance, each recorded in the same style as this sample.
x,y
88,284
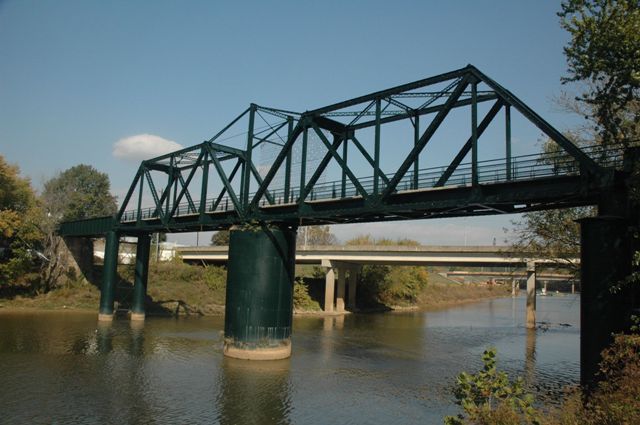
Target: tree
x,y
604,54
19,211
220,238
603,57
316,235
78,193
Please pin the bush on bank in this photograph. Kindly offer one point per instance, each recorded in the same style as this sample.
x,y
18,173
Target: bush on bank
x,y
490,398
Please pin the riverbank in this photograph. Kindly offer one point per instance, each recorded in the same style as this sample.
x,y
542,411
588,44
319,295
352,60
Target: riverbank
x,y
180,289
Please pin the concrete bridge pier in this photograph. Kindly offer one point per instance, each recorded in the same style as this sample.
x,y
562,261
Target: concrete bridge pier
x,y
329,286
342,278
352,285
259,305
531,295
141,275
109,276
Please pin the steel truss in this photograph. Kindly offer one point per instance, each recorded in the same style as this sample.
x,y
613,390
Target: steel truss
x,y
242,194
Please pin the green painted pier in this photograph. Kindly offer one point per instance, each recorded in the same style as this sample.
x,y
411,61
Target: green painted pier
x,y
374,162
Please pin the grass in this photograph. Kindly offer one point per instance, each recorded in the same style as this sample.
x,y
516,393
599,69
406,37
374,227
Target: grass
x,y
178,288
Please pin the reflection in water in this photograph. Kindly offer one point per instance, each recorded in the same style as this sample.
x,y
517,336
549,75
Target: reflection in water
x,y
530,358
359,368
252,392
104,337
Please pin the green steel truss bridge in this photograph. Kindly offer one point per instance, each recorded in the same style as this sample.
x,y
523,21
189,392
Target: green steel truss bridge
x,y
212,186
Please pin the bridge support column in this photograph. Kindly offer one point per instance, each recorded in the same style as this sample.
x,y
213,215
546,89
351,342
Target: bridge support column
x,y
109,276
353,282
341,289
140,282
605,260
531,295
259,306
514,288
329,289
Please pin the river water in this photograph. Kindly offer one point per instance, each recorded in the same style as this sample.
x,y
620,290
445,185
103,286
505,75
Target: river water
x,y
64,368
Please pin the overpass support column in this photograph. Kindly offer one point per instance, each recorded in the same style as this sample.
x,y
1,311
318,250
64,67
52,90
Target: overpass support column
x,y
259,305
109,276
353,281
605,259
141,274
531,295
341,289
329,289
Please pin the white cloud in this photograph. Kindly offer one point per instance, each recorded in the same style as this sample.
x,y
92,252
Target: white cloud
x,y
143,146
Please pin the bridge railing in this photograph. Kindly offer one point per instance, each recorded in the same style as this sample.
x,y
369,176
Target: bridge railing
x,y
524,167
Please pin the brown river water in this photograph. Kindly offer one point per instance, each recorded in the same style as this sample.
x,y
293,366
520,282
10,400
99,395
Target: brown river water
x,y
64,368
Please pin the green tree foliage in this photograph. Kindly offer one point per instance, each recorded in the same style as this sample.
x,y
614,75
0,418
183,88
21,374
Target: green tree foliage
x,y
78,193
316,236
489,397
604,53
389,285
19,233
220,238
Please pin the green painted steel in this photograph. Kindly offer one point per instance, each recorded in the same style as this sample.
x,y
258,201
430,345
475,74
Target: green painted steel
x,y
142,271
233,190
605,261
89,227
259,304
109,273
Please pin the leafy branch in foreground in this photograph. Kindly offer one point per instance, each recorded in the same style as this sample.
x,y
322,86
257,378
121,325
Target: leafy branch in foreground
x,y
489,397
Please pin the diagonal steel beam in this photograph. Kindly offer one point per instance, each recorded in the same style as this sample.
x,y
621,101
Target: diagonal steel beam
x,y
224,189
394,90
185,185
156,200
366,155
467,146
297,131
321,167
426,136
258,178
192,205
339,160
127,197
509,98
424,111
226,183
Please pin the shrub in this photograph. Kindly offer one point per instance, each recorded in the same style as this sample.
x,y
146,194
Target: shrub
x,y
301,298
489,397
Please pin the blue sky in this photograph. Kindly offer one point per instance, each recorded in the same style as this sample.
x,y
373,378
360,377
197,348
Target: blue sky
x,y
78,76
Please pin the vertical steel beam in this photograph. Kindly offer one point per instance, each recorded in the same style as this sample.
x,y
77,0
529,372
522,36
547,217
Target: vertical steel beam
x,y
141,190
507,130
376,149
343,185
303,160
246,172
109,276
205,181
474,133
287,167
416,139
140,279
